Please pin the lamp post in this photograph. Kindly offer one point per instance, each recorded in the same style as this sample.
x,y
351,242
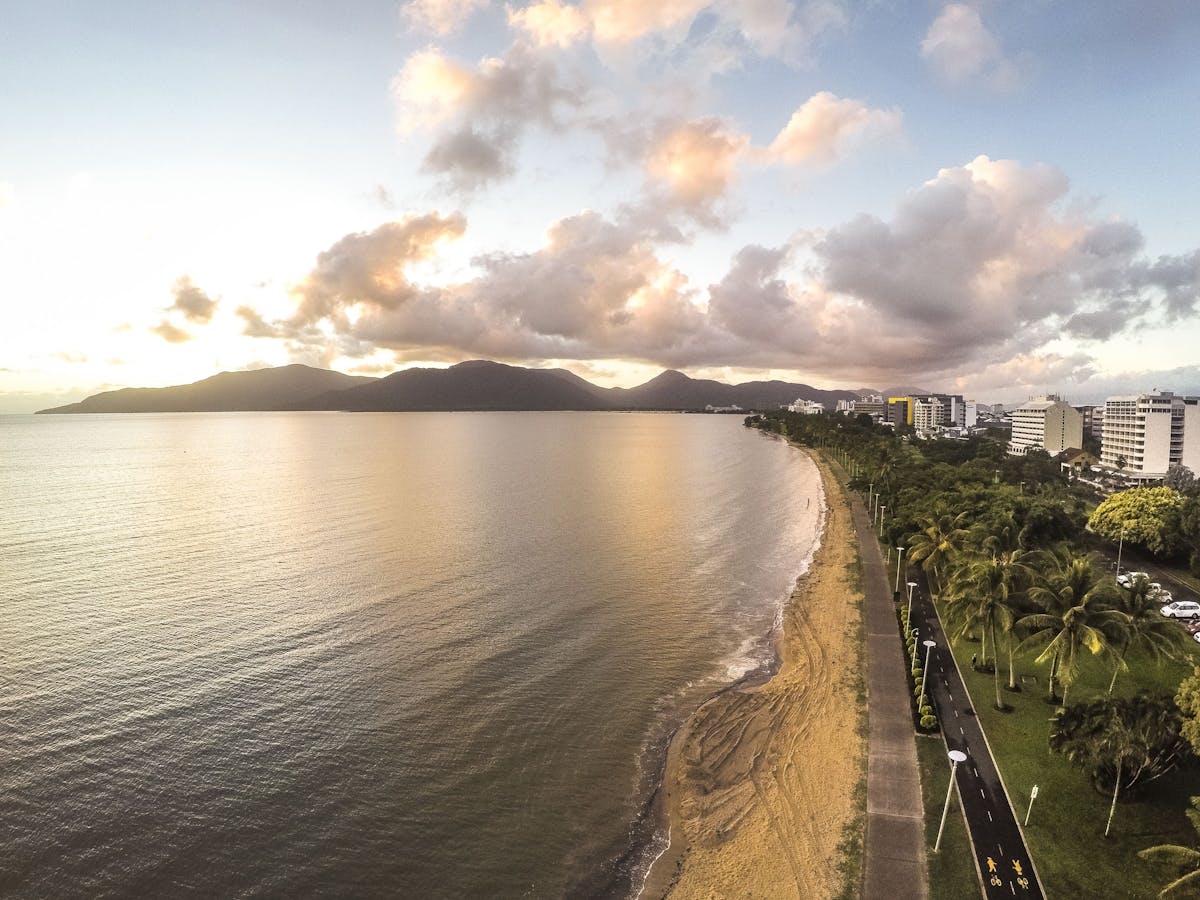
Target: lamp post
x,y
899,558
1120,547
882,511
908,612
929,645
956,757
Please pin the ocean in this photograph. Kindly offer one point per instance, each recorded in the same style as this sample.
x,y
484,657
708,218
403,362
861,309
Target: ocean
x,y
399,655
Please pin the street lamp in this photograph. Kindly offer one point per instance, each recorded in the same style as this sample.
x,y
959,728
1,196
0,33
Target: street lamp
x,y
929,645
882,510
956,757
899,557
908,612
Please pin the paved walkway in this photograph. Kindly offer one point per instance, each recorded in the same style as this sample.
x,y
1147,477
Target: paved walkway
x,y
894,855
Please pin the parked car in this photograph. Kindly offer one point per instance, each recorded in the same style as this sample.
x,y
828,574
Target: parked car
x,y
1192,626
1182,609
1125,579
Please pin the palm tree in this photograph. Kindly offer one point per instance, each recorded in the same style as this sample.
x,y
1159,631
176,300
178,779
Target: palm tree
x,y
1125,741
1071,582
1065,637
987,593
1186,860
936,545
1145,628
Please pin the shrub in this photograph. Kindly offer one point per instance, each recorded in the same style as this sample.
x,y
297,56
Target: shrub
x,y
929,723
917,691
926,710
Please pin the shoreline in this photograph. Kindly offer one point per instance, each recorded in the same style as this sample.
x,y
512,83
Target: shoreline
x,y
758,784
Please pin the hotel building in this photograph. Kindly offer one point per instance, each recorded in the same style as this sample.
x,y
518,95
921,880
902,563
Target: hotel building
x,y
1046,423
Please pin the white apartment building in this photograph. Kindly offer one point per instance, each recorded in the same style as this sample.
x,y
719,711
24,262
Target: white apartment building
x,y
1046,423
808,407
1146,434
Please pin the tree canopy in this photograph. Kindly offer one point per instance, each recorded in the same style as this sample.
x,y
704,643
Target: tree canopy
x,y
1148,516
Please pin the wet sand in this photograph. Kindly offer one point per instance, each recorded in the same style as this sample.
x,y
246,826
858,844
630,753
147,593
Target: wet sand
x,y
760,781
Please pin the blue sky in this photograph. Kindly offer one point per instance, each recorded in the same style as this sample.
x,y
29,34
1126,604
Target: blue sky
x,y
995,198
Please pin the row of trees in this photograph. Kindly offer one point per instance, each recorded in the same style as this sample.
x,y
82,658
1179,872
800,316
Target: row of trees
x,y
1003,544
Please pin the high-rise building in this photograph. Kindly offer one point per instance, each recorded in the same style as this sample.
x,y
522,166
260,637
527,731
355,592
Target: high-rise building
x,y
1046,423
1146,434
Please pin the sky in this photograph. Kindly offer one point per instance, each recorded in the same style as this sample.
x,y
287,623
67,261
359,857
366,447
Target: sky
x,y
992,198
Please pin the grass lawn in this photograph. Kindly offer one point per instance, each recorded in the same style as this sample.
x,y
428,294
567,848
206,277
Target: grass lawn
x,y
952,874
1066,830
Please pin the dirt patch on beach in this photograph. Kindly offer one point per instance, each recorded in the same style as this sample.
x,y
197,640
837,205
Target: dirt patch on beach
x,y
760,782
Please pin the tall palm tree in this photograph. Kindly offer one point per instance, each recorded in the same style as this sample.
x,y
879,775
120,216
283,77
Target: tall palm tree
x,y
1068,580
988,593
1066,637
937,544
1145,628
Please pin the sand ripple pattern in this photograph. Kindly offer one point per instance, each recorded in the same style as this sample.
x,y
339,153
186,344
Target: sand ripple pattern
x,y
764,774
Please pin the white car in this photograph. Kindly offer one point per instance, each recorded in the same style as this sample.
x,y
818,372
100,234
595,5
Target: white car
x,y
1182,609
1159,593
1125,579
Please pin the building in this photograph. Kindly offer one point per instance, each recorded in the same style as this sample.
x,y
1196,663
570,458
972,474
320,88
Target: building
x,y
1046,423
1146,434
873,407
1089,420
807,407
899,410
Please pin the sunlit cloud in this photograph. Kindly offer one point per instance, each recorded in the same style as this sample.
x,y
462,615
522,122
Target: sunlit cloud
x,y
441,17
478,116
960,47
195,305
826,127
170,333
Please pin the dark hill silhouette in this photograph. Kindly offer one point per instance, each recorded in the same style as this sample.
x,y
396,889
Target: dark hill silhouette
x,y
474,385
674,390
257,389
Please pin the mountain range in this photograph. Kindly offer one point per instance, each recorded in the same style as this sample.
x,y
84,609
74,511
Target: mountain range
x,y
473,385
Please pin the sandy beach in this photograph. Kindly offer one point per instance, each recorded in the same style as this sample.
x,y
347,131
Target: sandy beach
x,y
760,782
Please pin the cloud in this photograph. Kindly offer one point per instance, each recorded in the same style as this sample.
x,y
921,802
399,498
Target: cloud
x,y
195,305
983,268
693,164
170,333
730,29
441,17
826,127
478,116
7,194
959,47
368,268
255,325
551,23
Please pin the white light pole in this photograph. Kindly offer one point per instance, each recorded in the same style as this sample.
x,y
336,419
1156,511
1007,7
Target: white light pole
x,y
908,612
1120,547
1032,797
882,510
899,557
929,645
956,756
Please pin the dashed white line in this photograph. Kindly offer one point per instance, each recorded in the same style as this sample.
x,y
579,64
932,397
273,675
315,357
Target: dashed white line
x,y
1001,848
983,795
990,819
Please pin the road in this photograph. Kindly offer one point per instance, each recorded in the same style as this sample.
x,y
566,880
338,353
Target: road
x,y
1000,852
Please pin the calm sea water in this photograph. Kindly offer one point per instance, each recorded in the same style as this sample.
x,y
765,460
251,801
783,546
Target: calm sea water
x,y
416,655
